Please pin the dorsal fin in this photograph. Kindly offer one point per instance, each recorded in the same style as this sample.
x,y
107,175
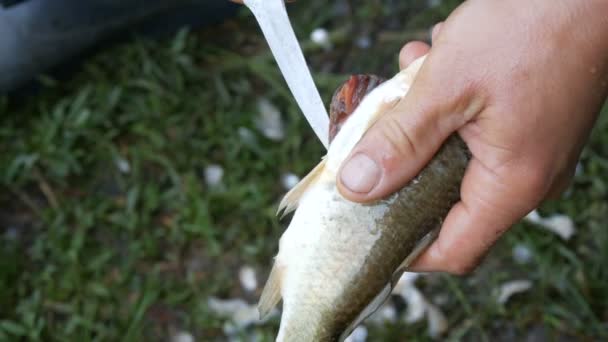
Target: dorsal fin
x,y
271,295
290,202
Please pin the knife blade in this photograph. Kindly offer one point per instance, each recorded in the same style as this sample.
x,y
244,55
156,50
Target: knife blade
x,y
272,18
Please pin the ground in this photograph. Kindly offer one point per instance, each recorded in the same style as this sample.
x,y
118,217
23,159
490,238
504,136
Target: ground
x,y
108,229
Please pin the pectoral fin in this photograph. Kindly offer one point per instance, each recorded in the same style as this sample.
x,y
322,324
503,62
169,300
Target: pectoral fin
x,y
290,202
369,310
386,291
271,295
420,247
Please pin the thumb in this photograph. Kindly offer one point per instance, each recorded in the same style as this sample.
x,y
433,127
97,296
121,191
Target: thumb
x,y
402,141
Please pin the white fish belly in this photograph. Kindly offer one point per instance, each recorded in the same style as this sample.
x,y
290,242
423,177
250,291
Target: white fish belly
x,y
323,249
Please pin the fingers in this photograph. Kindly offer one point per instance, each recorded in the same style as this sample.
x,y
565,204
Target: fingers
x,y
402,141
485,212
412,51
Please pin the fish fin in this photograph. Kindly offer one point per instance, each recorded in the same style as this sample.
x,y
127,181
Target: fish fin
x,y
290,202
418,249
374,305
271,295
386,291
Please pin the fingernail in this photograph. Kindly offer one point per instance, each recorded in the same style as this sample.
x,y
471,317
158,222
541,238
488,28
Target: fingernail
x,y
360,174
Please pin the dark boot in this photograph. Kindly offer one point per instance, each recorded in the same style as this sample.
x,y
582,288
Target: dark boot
x,y
36,35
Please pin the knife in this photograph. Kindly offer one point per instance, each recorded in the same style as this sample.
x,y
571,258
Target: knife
x,y
276,27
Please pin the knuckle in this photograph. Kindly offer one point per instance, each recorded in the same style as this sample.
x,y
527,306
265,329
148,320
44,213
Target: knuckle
x,y
397,137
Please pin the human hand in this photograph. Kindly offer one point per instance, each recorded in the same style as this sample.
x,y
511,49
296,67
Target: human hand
x,y
522,82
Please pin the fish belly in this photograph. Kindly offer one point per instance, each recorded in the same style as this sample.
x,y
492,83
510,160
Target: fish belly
x,y
322,253
337,256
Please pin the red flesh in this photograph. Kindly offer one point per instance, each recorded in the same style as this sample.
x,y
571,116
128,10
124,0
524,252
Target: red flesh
x,y
347,98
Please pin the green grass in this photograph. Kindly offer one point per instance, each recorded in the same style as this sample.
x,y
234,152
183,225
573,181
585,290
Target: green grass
x,y
89,252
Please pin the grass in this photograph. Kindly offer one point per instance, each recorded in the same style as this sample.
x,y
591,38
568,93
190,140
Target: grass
x,y
108,230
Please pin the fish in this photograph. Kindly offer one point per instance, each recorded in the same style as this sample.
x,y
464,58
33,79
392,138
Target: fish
x,y
339,260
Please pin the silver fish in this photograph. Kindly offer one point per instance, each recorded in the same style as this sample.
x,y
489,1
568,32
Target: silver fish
x,y
338,260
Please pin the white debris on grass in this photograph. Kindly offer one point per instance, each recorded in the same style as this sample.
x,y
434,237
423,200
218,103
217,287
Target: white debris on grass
x,y
438,323
246,136
248,278
358,335
239,314
269,121
510,288
413,297
182,336
561,225
213,175
363,42
418,306
521,254
580,169
289,180
320,37
122,164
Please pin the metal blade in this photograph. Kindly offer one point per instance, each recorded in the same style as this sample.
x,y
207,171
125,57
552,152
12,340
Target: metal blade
x,y
274,22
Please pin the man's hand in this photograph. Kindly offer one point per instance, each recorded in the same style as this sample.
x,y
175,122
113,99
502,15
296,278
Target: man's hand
x,y
522,82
